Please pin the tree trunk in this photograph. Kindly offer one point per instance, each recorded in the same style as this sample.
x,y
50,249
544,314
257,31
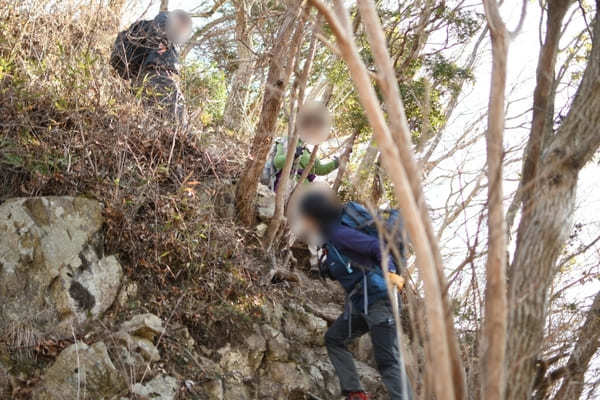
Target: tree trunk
x,y
164,5
237,100
344,161
402,139
585,348
297,98
362,174
377,189
542,98
275,86
494,331
546,223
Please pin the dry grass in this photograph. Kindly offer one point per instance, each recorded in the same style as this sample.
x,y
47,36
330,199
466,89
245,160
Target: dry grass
x,y
69,126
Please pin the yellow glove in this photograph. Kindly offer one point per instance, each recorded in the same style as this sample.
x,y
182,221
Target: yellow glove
x,y
396,280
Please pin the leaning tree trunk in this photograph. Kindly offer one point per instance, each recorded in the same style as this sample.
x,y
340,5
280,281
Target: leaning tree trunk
x,y
277,81
402,139
399,162
344,160
546,223
234,114
296,101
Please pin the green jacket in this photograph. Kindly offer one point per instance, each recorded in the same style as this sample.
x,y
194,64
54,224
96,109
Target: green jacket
x,y
320,167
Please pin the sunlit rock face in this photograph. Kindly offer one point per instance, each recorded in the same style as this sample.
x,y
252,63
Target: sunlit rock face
x,y
54,276
81,368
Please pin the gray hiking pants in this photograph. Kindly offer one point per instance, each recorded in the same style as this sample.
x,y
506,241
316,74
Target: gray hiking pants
x,y
379,322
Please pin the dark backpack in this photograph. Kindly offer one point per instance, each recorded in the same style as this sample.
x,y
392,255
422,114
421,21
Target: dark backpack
x,y
356,216
341,268
131,48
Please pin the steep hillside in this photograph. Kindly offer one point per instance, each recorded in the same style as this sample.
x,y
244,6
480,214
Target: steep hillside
x,y
192,308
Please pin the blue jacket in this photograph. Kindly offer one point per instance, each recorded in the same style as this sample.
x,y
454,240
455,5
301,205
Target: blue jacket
x,y
350,246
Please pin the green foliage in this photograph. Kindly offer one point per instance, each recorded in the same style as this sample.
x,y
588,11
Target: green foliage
x,y
6,68
446,74
462,24
205,91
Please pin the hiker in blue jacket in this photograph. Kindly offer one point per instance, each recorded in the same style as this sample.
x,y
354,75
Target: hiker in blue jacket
x,y
355,260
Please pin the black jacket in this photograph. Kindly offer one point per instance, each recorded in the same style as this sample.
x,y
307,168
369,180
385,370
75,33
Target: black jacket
x,y
136,50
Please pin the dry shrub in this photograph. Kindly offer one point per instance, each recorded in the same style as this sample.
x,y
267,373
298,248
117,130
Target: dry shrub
x,y
70,126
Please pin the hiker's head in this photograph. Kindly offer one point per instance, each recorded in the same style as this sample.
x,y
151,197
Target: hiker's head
x,y
319,209
314,123
179,26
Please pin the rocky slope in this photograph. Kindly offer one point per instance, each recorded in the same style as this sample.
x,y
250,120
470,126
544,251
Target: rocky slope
x,y
73,327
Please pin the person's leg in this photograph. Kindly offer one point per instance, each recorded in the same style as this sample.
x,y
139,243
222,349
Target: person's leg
x,y
385,346
336,340
163,91
179,109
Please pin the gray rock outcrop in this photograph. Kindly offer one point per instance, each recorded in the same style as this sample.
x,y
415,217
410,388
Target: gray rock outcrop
x,y
111,368
53,274
81,372
162,387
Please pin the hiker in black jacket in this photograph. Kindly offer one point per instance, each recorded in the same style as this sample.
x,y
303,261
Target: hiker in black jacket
x,y
147,55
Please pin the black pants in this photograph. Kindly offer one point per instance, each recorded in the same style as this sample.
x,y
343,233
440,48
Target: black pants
x,y
161,90
379,322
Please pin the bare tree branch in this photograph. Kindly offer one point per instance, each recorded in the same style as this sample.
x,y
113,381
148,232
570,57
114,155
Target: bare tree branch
x,y
209,12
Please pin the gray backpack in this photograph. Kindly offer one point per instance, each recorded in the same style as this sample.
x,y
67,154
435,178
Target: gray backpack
x,y
269,173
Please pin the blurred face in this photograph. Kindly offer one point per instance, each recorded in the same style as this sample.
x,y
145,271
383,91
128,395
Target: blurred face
x,y
309,230
306,224
314,123
179,28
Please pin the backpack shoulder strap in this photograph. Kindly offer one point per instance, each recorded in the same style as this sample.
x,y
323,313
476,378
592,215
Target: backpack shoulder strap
x,y
359,220
345,260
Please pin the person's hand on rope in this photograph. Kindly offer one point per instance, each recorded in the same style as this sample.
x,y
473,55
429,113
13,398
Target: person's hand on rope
x,y
396,280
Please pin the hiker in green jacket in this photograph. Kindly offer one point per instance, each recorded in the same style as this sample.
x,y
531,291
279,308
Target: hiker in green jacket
x,y
302,157
313,125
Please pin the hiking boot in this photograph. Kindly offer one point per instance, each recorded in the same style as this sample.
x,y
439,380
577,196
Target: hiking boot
x,y
357,396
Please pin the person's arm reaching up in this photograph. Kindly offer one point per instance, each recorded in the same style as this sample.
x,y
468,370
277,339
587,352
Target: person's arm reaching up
x,y
320,167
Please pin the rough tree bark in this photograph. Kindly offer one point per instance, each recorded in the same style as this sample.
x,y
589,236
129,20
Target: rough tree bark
x,y
585,348
546,223
493,344
164,5
543,99
237,100
277,81
542,94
